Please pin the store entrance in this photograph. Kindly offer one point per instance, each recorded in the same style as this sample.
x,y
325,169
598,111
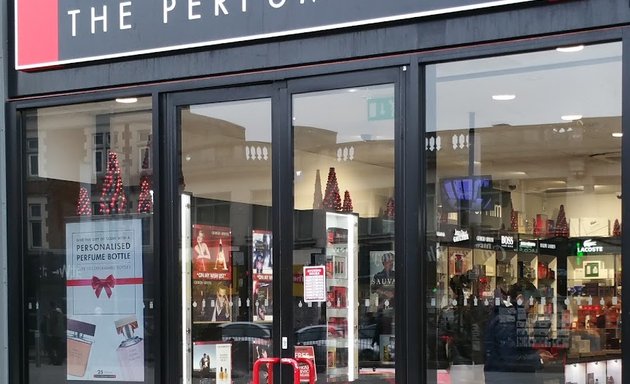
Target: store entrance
x,y
288,228
227,257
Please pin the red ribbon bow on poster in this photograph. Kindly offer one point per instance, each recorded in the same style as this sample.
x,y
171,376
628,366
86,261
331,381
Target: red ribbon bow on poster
x,y
98,285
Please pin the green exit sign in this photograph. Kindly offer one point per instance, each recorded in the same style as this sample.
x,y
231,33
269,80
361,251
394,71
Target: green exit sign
x,y
380,108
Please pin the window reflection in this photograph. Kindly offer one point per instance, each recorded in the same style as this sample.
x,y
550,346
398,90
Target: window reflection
x,y
227,264
524,174
344,223
88,206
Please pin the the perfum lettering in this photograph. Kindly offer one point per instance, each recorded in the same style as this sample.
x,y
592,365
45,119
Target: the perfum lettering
x,y
99,18
196,9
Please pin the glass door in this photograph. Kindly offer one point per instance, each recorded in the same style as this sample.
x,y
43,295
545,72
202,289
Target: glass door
x,y
343,242
226,237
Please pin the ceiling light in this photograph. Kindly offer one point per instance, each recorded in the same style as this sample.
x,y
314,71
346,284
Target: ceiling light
x,y
574,48
571,117
505,97
352,90
617,134
127,100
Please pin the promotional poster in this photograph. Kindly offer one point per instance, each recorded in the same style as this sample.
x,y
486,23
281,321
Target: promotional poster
x,y
459,260
262,251
383,278
105,319
213,360
212,301
262,267
263,298
212,253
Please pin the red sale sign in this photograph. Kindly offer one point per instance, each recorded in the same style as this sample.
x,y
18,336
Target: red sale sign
x,y
305,352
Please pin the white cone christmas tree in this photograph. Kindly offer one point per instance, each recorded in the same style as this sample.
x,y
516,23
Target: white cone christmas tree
x,y
317,195
113,199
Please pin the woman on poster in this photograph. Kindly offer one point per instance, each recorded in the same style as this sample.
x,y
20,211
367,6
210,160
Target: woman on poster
x,y
221,260
202,253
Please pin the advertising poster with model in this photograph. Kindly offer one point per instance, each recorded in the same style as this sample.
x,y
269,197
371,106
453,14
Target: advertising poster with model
x,y
262,267
105,321
383,279
262,252
211,301
212,362
212,253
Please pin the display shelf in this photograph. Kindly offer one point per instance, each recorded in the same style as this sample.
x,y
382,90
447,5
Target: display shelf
x,y
341,287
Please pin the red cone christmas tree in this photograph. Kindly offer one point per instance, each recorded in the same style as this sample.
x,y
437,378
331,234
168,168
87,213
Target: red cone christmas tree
x,y
514,221
113,199
84,207
317,195
332,200
390,209
145,202
562,228
616,229
347,203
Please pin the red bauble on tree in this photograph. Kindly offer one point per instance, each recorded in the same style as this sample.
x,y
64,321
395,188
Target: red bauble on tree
x,y
332,200
616,229
562,228
390,209
145,201
347,203
113,199
84,207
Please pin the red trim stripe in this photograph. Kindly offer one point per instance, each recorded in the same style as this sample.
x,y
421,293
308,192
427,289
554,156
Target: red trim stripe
x,y
38,31
88,282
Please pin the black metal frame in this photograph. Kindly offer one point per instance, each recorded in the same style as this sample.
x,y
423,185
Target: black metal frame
x,y
404,70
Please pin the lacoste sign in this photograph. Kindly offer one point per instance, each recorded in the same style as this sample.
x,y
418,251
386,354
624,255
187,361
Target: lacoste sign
x,y
589,246
56,32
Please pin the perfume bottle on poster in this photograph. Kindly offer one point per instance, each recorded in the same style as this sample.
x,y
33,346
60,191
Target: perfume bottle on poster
x,y
79,343
131,350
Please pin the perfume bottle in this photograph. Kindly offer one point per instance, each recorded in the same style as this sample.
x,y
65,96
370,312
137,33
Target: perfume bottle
x,y
131,350
80,337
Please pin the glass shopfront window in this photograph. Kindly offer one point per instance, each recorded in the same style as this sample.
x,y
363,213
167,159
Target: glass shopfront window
x,y
524,217
227,255
88,253
343,257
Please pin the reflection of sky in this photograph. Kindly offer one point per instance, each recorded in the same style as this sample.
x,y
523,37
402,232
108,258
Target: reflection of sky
x,y
546,84
344,112
257,120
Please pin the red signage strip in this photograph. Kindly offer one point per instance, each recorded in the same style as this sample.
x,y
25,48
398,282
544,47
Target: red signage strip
x,y
37,31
